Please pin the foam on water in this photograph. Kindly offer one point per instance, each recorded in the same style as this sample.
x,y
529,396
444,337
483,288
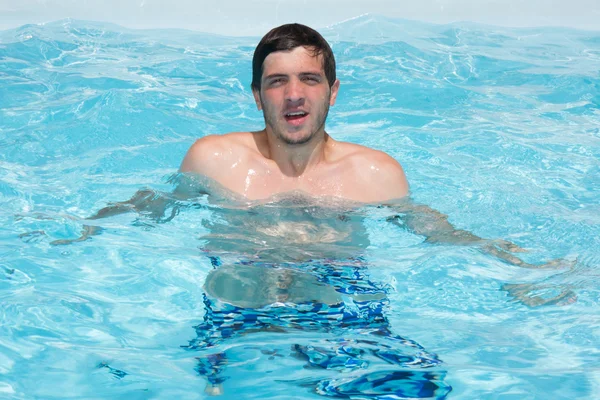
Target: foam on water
x,y
498,128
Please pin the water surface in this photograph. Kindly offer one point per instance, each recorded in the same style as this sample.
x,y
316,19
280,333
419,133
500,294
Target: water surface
x,y
498,128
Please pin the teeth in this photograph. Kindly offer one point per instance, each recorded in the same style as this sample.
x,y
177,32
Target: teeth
x,y
292,114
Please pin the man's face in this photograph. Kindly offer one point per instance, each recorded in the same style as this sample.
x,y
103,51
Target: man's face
x,y
295,95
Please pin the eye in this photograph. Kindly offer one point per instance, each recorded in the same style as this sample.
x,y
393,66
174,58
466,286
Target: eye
x,y
274,82
311,79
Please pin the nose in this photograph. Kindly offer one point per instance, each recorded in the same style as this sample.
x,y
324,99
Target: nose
x,y
294,92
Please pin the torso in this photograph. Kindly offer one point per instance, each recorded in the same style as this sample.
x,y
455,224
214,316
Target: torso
x,y
349,171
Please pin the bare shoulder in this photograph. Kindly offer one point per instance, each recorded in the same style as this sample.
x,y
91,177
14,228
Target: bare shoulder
x,y
376,174
210,154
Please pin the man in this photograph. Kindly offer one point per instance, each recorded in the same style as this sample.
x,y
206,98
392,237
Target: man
x,y
294,84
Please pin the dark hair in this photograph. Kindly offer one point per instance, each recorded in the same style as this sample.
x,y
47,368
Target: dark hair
x,y
287,37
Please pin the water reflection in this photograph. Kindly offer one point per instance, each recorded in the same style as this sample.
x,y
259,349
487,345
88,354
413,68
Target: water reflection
x,y
291,275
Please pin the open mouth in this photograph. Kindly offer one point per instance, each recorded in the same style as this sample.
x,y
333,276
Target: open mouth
x,y
295,117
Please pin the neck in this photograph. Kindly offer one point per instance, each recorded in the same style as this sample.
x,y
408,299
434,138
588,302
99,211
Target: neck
x,y
294,159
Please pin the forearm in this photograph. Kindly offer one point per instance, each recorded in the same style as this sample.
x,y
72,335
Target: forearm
x,y
87,232
434,226
425,221
146,201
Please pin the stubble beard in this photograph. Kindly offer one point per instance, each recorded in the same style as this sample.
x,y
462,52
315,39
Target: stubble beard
x,y
271,121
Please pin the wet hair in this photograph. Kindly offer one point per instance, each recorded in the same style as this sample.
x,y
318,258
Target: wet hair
x,y
287,37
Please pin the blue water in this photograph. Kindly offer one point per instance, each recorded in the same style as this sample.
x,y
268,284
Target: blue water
x,y
498,128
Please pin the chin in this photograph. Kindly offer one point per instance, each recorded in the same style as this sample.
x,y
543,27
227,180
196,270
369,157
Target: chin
x,y
296,140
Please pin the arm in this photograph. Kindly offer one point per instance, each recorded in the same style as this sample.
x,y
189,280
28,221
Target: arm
x,y
377,177
387,182
425,221
532,294
207,156
151,203
146,201
432,224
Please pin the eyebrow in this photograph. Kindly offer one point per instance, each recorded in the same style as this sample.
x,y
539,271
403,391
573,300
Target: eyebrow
x,y
272,76
319,74
308,73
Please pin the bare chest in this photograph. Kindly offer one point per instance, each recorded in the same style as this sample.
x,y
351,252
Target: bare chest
x,y
261,183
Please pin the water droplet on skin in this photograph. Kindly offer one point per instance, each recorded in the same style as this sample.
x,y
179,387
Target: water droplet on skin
x,y
251,172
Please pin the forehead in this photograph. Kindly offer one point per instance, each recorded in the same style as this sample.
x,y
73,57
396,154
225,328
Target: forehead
x,y
297,60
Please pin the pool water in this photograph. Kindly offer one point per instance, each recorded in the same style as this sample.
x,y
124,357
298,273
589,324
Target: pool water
x,y
299,298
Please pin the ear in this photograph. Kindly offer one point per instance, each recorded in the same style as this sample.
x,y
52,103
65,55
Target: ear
x,y
256,94
334,92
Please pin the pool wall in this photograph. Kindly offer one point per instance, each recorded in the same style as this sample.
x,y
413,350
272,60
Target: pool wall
x,y
251,18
